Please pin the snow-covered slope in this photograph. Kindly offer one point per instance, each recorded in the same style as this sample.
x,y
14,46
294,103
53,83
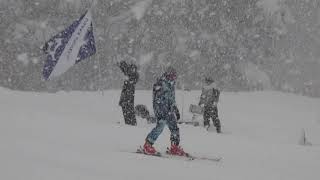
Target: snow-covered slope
x,y
76,135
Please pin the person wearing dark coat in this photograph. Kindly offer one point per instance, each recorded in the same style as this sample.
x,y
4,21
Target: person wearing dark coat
x,y
209,99
128,91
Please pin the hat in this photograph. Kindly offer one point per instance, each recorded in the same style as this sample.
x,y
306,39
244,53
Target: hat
x,y
171,73
209,80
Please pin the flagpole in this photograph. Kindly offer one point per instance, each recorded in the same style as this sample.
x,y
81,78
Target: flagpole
x,y
93,3
100,82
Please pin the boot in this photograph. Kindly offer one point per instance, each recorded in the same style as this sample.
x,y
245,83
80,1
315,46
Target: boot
x,y
206,124
218,129
148,149
176,150
217,125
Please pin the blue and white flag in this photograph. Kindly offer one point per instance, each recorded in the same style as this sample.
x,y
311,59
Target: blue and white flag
x,y
69,47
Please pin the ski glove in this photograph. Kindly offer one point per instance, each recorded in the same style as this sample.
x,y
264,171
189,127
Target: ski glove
x,y
178,116
176,111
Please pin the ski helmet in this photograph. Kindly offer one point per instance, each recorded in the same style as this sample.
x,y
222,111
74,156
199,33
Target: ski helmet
x,y
171,73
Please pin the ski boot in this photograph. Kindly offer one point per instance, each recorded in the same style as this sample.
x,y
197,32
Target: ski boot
x,y
149,149
176,150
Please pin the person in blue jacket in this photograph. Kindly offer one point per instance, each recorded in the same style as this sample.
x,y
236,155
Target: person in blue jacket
x,y
166,112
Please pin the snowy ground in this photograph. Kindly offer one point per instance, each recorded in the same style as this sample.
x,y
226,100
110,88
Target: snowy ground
x,y
76,135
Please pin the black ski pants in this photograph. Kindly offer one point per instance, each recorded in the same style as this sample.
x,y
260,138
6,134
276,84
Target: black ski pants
x,y
129,114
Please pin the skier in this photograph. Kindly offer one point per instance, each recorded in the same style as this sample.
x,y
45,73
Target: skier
x,y
128,91
166,113
209,99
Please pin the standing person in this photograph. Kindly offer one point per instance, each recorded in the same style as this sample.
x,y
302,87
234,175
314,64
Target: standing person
x,y
209,100
166,112
128,91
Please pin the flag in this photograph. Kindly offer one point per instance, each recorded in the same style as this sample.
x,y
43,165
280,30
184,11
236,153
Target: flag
x,y
69,47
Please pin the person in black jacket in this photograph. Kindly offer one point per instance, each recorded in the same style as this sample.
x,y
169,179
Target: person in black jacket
x,y
209,99
128,91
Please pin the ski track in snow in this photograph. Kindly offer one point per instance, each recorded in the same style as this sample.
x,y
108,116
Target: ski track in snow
x,y
76,136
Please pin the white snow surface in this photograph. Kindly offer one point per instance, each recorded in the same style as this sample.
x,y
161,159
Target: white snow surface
x,y
76,135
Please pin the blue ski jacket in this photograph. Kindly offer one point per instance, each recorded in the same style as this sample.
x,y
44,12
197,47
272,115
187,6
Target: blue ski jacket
x,y
164,103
